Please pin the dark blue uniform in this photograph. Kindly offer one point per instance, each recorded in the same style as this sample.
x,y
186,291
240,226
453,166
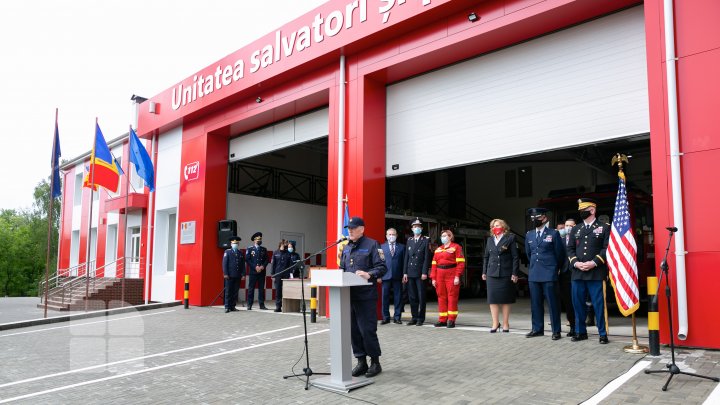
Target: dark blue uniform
x,y
546,253
364,254
588,243
281,260
417,264
392,280
256,256
234,267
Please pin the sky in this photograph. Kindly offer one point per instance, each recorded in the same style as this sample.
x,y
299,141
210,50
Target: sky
x,y
88,57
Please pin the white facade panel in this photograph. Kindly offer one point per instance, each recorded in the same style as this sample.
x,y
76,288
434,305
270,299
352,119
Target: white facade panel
x,y
577,86
282,135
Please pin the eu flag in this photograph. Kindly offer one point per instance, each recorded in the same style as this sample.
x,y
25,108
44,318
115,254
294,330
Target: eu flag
x,y
141,159
56,163
103,170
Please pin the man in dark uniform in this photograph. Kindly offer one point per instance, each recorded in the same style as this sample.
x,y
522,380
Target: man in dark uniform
x,y
566,277
392,280
233,270
415,271
546,253
256,258
586,248
364,257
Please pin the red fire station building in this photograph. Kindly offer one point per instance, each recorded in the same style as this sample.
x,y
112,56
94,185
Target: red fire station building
x,y
450,110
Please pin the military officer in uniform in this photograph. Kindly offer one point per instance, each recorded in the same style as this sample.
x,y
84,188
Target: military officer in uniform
x,y
257,260
586,248
233,270
392,280
415,271
282,259
364,257
546,253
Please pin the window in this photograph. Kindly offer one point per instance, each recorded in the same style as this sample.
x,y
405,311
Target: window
x,y
172,233
78,189
132,268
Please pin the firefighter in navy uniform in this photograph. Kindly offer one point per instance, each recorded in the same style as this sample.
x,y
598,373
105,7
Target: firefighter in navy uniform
x,y
233,265
415,271
586,249
364,257
257,260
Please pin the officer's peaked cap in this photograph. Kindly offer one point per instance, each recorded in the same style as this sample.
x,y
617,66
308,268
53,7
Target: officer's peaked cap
x,y
585,203
417,221
354,222
235,239
256,235
537,211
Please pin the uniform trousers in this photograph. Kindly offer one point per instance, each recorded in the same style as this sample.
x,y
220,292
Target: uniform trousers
x,y
256,280
548,291
394,287
416,295
594,288
232,285
448,294
566,297
278,292
363,328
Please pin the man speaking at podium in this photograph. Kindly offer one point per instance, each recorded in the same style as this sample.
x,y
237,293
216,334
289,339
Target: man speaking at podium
x,y
364,257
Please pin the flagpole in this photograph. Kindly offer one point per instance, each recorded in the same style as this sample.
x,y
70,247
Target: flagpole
x,y
50,214
150,227
127,193
89,234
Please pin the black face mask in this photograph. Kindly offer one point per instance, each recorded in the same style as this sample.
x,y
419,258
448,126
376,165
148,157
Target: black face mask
x,y
585,214
259,242
537,223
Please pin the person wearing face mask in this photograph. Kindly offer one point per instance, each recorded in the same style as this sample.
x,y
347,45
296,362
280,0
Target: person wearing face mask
x,y
586,249
448,264
546,254
257,258
280,261
415,271
501,267
392,280
233,265
566,277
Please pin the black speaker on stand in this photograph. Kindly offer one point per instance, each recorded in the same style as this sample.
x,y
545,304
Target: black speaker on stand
x,y
227,228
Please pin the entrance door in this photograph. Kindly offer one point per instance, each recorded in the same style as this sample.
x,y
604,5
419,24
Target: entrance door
x,y
111,251
132,269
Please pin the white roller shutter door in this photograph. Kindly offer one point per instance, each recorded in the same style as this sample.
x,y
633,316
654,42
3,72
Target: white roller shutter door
x,y
581,85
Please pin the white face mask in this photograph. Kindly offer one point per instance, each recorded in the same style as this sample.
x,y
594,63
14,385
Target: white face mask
x,y
444,240
234,246
290,249
392,238
417,230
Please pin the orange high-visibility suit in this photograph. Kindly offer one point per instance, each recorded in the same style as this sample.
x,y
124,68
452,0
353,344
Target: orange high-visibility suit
x,y
447,263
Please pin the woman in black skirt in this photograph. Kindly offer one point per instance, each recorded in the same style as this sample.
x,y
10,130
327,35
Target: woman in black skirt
x,y
500,269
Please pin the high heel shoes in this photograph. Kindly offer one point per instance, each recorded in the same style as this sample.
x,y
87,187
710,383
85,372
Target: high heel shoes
x,y
495,329
506,330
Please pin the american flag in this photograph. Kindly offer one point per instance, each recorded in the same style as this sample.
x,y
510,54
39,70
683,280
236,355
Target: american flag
x,y
621,255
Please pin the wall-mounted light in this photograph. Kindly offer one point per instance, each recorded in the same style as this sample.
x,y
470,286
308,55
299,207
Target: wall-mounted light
x,y
472,17
259,100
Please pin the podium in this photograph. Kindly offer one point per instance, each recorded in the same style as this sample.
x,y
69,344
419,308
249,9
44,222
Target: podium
x,y
340,379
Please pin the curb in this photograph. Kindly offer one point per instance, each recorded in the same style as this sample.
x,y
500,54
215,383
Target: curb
x,y
85,315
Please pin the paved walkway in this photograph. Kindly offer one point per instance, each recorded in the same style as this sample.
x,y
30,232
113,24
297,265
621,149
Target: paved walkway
x,y
203,355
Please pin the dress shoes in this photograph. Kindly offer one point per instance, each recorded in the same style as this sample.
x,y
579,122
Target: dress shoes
x,y
604,340
361,367
578,337
534,333
571,333
384,322
556,336
374,368
440,324
495,329
233,309
450,324
278,309
249,307
227,310
263,307
413,322
419,323
397,321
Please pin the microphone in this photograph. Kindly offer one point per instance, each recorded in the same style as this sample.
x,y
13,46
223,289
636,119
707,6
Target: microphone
x,y
672,229
343,239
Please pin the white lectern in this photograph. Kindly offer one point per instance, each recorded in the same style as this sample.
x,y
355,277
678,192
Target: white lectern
x,y
340,379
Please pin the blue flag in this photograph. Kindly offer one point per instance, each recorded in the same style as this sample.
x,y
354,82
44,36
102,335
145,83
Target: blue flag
x,y
56,163
346,219
141,159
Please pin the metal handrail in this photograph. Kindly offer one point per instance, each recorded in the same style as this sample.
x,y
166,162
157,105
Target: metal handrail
x,y
87,281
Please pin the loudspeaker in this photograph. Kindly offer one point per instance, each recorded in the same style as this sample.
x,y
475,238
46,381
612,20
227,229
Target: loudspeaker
x,y
227,228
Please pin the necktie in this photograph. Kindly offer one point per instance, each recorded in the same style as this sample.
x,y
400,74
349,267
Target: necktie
x,y
538,235
392,249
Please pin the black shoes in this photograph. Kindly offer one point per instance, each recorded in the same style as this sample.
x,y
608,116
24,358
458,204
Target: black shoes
x,y
450,324
440,324
278,309
263,307
534,333
506,330
397,321
249,307
374,369
419,323
578,337
233,309
384,322
227,310
556,336
571,333
495,329
361,368
413,322
604,340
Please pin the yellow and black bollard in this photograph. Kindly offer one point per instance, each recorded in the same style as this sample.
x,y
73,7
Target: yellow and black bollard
x,y
186,299
653,317
313,304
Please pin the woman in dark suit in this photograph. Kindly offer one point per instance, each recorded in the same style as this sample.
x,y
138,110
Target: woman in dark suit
x,y
500,269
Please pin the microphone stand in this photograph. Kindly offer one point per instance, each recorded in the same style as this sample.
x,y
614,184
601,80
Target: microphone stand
x,y
300,264
671,367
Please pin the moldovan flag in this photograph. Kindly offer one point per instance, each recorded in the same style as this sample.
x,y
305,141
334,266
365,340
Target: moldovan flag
x,y
622,253
345,233
103,170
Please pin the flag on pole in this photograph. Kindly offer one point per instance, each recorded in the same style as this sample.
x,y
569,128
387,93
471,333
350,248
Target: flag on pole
x,y
622,253
56,192
345,233
141,159
103,170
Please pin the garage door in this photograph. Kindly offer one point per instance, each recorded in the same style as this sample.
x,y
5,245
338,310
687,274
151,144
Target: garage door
x,y
577,86
298,130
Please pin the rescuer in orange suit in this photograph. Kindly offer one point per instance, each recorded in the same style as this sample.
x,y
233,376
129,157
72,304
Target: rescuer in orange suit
x,y
448,265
